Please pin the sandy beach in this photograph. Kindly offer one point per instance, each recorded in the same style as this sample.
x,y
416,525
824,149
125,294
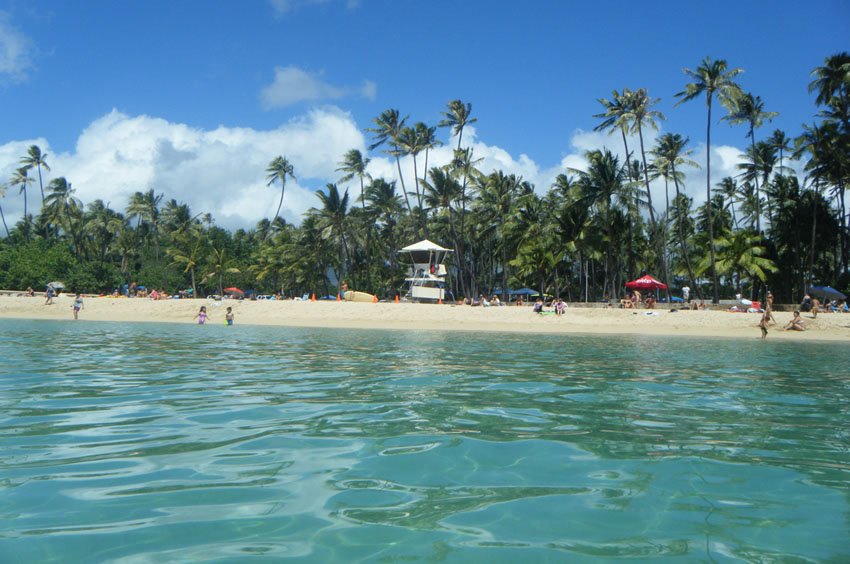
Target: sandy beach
x,y
831,326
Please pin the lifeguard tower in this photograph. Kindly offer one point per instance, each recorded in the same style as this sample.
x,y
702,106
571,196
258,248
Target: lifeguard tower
x,y
427,275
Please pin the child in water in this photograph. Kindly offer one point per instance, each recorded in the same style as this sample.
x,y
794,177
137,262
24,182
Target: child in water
x,y
202,315
228,317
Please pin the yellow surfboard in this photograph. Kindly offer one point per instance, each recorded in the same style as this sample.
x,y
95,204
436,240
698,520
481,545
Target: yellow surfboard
x,y
352,296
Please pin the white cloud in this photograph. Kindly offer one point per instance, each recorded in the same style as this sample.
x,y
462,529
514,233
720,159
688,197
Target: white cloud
x,y
15,50
222,171
293,85
284,7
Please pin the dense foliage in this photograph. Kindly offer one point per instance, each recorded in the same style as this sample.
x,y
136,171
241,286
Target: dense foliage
x,y
590,232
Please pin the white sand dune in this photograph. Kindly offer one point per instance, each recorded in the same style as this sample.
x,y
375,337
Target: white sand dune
x,y
833,326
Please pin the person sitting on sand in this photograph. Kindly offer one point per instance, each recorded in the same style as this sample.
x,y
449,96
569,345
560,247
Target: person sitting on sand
x,y
30,292
649,302
560,306
701,305
484,301
796,323
538,306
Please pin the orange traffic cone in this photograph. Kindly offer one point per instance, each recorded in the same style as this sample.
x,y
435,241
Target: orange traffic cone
x,y
313,297
374,299
396,298
439,301
338,298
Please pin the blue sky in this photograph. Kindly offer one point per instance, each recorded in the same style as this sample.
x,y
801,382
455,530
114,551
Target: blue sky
x,y
193,98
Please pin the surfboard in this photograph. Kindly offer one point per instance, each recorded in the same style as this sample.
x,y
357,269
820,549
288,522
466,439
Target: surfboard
x,y
352,296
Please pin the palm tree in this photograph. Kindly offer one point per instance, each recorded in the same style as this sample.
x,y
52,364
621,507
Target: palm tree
x,y
36,159
457,118
670,152
22,179
387,130
832,84
189,256
749,109
818,142
59,203
712,77
103,226
781,143
427,140
277,171
145,207
408,142
728,187
599,187
741,253
616,118
385,206
353,164
639,114
333,220
219,264
3,189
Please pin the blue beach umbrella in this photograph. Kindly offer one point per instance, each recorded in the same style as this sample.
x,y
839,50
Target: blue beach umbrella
x,y
827,292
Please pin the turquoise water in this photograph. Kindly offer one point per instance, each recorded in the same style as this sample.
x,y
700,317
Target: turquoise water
x,y
154,442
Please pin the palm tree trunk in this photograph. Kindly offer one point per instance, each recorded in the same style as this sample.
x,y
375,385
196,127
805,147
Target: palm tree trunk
x,y
756,180
646,176
814,232
843,224
422,230
716,299
40,184
685,256
2,215
626,147
277,213
403,189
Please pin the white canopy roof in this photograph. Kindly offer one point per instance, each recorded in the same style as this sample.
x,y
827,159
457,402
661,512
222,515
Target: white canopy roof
x,y
425,245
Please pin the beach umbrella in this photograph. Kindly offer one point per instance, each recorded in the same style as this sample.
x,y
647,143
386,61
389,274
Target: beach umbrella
x,y
57,285
646,283
234,291
523,292
827,292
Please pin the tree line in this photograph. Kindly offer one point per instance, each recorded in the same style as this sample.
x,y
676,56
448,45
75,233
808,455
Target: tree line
x,y
582,238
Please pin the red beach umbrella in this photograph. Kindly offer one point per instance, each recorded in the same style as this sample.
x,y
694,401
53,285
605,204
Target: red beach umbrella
x,y
233,290
646,283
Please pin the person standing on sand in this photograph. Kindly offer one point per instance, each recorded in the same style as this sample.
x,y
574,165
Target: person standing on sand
x,y
78,305
50,293
766,318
